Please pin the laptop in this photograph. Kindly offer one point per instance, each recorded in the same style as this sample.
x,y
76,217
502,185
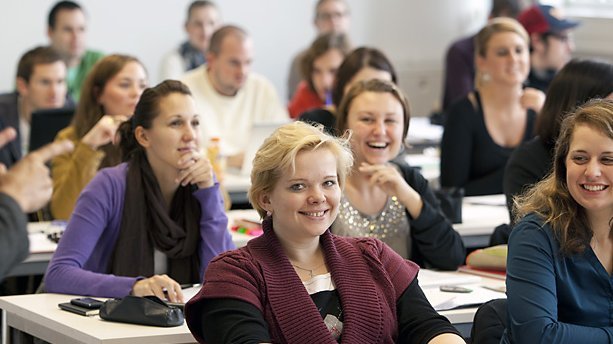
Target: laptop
x,y
259,133
45,124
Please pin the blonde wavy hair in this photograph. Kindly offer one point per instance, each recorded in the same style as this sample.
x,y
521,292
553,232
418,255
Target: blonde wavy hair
x,y
550,198
278,154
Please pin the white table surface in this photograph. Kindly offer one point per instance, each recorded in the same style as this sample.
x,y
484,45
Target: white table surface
x,y
481,214
39,315
455,278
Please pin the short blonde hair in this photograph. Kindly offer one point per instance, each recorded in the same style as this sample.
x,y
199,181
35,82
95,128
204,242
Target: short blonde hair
x,y
279,151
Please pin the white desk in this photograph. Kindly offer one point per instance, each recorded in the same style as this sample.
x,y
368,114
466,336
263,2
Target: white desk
x,y
39,315
422,132
480,215
461,318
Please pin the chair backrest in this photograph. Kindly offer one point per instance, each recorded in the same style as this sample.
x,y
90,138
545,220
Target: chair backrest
x,y
490,322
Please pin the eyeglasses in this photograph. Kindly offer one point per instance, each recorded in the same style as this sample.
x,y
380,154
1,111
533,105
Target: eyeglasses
x,y
331,15
562,37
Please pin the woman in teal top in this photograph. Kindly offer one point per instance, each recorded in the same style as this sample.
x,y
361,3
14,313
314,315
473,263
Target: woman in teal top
x,y
559,283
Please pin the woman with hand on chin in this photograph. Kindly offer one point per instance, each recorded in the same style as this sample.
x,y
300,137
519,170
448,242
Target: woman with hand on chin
x,y
108,97
385,198
298,283
153,222
560,258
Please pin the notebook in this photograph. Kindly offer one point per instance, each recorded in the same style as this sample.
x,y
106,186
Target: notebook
x,y
45,124
259,133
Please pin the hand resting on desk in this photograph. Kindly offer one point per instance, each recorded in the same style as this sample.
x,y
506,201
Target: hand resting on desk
x,y
161,286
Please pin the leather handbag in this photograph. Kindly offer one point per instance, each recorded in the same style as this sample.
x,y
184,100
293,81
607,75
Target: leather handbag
x,y
147,310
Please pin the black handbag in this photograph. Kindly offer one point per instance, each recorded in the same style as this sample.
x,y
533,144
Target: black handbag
x,y
147,310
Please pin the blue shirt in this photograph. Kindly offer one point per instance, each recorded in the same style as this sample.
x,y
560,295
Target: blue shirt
x,y
554,298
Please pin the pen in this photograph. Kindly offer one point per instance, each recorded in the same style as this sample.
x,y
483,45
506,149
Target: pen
x,y
500,289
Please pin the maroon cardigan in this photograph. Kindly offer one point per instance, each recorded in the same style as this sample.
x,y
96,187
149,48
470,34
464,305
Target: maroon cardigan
x,y
369,277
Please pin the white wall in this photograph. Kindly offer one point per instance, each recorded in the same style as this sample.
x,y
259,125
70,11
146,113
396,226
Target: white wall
x,y
413,33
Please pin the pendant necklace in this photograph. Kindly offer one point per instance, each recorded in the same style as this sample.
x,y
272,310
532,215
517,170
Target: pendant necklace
x,y
310,271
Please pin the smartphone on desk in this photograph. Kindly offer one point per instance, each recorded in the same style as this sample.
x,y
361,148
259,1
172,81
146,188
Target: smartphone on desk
x,y
87,302
67,306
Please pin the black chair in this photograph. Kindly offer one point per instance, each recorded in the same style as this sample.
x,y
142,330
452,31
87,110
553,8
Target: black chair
x,y
490,322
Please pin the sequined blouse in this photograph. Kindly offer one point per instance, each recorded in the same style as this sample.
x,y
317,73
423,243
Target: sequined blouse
x,y
391,225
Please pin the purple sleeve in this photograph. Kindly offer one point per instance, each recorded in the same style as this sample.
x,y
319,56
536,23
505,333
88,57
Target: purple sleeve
x,y
83,254
214,234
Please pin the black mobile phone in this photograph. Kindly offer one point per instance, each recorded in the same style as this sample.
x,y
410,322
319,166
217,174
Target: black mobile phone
x,y
87,302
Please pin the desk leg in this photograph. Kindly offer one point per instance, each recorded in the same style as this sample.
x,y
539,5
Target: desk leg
x,y
5,329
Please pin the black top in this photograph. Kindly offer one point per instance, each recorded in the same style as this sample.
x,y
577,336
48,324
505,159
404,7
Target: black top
x,y
321,116
540,80
469,157
235,321
434,241
528,164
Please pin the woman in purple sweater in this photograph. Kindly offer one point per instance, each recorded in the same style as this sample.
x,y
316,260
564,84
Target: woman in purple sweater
x,y
152,222
298,283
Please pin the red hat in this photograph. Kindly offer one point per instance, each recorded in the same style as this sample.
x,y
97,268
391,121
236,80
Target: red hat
x,y
544,18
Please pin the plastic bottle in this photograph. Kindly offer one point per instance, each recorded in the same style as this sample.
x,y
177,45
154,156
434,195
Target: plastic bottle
x,y
215,157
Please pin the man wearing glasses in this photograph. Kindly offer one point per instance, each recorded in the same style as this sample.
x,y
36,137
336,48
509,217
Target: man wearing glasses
x,y
551,43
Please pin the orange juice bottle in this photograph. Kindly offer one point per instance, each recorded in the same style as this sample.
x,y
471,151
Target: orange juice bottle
x,y
217,160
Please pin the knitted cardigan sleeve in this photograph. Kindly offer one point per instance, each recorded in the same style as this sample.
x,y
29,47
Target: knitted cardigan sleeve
x,y
230,275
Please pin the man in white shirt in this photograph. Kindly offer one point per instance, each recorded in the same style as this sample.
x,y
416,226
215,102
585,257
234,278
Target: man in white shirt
x,y
229,97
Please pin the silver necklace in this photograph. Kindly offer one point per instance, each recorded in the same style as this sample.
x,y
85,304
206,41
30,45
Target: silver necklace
x,y
310,271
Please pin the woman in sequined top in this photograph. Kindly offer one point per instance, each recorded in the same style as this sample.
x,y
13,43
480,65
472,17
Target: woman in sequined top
x,y
388,199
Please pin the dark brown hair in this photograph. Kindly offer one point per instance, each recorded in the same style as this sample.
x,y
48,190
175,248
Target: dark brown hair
x,y
198,4
354,62
61,6
34,57
319,47
147,109
576,83
89,111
